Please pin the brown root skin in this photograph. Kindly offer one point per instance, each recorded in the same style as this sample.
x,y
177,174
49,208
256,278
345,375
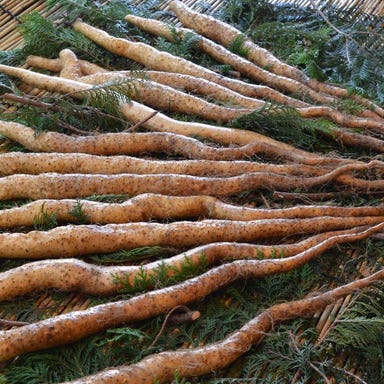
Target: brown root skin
x,y
224,34
76,275
75,240
149,207
212,357
70,327
55,186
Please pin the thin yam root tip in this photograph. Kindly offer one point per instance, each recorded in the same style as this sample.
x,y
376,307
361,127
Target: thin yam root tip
x,y
173,318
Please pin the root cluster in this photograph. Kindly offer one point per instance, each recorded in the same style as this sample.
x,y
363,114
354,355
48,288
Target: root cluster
x,y
197,202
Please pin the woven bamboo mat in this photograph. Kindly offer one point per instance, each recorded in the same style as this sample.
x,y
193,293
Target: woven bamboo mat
x,y
10,38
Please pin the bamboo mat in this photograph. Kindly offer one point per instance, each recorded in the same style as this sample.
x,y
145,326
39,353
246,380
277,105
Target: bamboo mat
x,y
10,13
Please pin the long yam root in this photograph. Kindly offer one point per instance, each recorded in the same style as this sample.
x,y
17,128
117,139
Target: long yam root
x,y
149,93
70,327
75,240
36,163
185,82
225,34
149,207
129,143
77,275
136,113
199,361
54,186
154,59
238,63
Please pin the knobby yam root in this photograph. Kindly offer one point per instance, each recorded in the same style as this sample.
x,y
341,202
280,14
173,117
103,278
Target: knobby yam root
x,y
75,240
137,112
68,328
212,357
223,55
148,207
157,96
185,82
129,143
225,34
36,163
77,275
154,59
55,186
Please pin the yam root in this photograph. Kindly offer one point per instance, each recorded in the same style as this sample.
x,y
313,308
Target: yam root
x,y
70,65
149,207
238,63
213,357
77,275
149,94
55,65
224,34
54,186
36,163
129,143
185,82
70,327
75,240
153,59
136,113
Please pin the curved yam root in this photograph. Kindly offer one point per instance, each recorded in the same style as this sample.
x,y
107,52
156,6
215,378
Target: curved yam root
x,y
191,84
136,113
199,361
176,80
74,326
76,275
37,163
238,63
151,58
127,143
72,241
224,34
165,98
55,186
149,207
